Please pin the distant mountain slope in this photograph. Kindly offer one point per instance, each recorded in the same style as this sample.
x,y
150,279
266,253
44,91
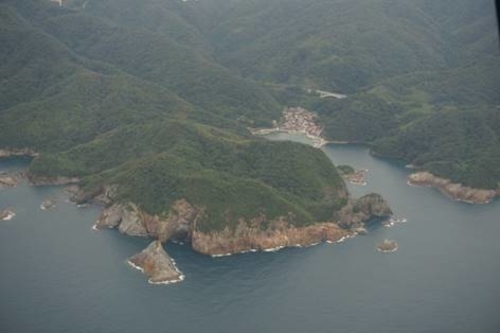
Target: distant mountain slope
x,y
53,99
74,77
346,45
463,145
115,104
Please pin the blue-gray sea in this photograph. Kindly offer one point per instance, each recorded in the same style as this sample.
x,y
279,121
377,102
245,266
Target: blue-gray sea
x,y
59,275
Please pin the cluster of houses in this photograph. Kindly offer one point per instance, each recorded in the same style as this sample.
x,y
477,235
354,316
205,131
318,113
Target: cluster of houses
x,y
300,120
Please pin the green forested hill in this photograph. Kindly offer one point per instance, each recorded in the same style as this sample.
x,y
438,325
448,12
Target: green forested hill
x,y
157,94
232,177
462,144
114,103
404,64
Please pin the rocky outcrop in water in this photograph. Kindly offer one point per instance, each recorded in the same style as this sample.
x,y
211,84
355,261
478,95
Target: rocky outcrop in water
x,y
48,204
387,246
358,211
6,214
8,179
453,190
156,264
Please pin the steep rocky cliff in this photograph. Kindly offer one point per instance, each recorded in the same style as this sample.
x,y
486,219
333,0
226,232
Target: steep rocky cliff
x,y
132,221
259,234
254,236
184,221
358,211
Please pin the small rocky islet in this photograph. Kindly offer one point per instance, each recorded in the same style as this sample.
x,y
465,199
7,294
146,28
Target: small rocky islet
x,y
387,246
156,264
48,204
354,177
6,214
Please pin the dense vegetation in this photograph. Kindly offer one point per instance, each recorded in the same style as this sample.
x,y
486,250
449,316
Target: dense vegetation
x,y
229,176
461,144
113,103
157,94
422,76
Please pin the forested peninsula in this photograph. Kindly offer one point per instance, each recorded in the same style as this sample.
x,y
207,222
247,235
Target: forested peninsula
x,y
147,107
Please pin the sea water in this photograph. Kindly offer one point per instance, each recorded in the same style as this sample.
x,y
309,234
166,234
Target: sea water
x,y
59,275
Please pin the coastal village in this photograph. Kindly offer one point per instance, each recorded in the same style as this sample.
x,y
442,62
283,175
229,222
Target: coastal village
x,y
297,120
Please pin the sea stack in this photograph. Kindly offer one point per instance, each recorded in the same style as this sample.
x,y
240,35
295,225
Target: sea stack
x,y
156,264
387,246
6,214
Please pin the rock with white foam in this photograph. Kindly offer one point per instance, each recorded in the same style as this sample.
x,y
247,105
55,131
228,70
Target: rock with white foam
x,y
6,214
156,264
48,204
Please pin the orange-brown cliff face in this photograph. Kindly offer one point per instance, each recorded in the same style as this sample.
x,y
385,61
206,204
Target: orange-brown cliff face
x,y
277,234
261,234
184,220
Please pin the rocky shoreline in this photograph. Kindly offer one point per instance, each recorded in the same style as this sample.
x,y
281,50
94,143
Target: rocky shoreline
x,y
21,152
51,181
11,179
183,222
251,238
453,190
